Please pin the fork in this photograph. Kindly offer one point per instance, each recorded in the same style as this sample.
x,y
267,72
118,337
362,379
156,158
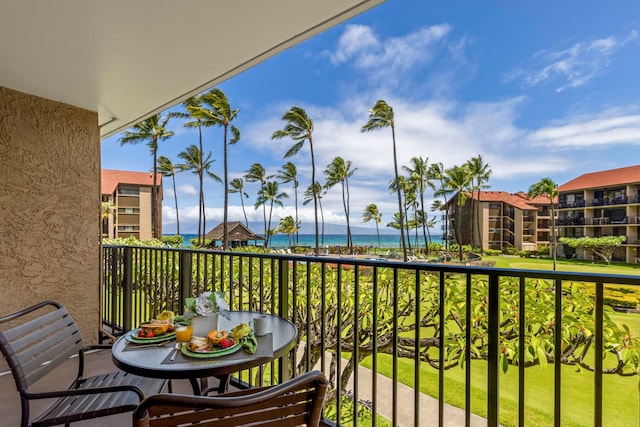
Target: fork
x,y
152,345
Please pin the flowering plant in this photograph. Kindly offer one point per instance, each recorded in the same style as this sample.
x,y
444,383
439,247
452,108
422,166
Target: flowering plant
x,y
207,304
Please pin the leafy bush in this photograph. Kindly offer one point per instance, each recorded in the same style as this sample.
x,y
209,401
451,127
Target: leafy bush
x,y
492,252
132,241
173,241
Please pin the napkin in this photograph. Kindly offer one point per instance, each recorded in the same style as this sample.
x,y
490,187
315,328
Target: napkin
x,y
249,343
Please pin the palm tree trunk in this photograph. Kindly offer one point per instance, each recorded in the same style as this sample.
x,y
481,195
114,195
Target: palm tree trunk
x,y
154,193
225,237
175,196
315,195
395,165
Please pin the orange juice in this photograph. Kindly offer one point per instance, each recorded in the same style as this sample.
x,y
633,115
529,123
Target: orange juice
x,y
183,333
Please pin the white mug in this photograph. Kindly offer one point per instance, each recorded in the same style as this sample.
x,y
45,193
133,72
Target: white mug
x,y
260,324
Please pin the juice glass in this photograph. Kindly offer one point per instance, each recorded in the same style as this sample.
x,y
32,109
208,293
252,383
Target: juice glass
x,y
184,333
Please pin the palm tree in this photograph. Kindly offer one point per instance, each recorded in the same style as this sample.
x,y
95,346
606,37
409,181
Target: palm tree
x,y
269,193
436,172
547,188
299,127
419,175
481,173
167,168
339,171
311,194
256,173
108,208
199,165
458,180
237,186
215,109
381,116
407,195
151,131
371,213
287,226
289,173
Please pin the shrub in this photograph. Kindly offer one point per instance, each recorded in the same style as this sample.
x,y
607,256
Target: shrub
x,y
173,241
492,252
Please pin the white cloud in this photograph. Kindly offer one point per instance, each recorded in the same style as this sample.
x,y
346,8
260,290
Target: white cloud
x,y
187,189
571,67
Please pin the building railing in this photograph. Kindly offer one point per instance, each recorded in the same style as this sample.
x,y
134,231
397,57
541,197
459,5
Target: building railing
x,y
400,319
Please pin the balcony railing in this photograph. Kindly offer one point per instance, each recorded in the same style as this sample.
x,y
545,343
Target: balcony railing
x,y
408,321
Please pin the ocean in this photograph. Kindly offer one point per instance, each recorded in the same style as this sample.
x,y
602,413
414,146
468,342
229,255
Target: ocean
x,y
280,241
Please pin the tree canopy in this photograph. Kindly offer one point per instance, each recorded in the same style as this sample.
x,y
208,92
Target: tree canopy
x,y
601,246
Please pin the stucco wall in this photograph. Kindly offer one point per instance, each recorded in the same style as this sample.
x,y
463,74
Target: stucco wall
x,y
49,207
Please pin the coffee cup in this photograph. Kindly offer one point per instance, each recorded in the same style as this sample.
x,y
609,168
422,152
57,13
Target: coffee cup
x,y
260,324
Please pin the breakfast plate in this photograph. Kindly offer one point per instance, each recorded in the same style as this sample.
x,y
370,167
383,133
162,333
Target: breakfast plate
x,y
132,336
213,353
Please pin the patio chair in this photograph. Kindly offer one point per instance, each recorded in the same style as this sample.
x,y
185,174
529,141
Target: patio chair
x,y
38,340
297,402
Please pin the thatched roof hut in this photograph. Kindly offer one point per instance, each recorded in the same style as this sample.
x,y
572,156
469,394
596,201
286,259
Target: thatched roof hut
x,y
238,234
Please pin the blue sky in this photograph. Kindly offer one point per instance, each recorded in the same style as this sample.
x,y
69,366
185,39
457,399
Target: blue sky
x,y
537,88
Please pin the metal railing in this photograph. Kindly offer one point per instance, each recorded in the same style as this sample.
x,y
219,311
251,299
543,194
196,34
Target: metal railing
x,y
400,319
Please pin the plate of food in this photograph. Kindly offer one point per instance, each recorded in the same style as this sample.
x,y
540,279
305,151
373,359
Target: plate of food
x,y
151,333
216,344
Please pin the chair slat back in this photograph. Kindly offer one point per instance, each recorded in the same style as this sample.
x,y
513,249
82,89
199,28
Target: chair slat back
x,y
35,347
294,403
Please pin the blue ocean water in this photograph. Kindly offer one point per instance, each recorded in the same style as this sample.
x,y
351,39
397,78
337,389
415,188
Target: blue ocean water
x,y
386,240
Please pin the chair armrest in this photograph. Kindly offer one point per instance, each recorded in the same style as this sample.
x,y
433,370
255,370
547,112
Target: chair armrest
x,y
86,391
96,347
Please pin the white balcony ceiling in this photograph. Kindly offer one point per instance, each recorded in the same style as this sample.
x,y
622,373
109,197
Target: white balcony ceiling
x,y
130,59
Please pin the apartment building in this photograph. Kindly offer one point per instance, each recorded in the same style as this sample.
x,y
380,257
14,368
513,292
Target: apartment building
x,y
501,220
130,196
605,203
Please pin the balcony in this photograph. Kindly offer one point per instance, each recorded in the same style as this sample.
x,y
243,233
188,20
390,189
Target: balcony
x,y
388,365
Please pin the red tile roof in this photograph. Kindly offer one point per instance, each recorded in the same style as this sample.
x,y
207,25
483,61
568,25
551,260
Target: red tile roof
x,y
112,178
620,176
515,200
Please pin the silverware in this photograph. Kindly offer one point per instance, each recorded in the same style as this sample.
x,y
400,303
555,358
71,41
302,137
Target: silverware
x,y
151,345
175,352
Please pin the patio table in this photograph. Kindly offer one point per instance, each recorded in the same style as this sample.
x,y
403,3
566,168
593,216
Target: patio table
x,y
155,361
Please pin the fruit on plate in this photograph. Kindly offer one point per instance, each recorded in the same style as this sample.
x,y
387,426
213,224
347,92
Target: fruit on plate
x,y
215,336
155,328
199,344
240,331
166,315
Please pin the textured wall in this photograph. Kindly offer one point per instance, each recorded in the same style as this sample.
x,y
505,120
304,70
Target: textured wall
x,y
49,207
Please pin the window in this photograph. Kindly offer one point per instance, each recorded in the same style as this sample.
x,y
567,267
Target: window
x,y
128,228
128,210
129,191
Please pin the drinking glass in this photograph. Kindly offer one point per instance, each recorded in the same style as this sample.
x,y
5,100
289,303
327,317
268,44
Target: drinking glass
x,y
184,333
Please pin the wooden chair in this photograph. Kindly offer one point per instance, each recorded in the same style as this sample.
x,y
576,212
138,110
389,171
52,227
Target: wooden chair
x,y
297,402
39,339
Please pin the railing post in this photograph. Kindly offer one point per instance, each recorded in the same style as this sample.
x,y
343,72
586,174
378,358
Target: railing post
x,y
185,278
127,302
493,397
283,310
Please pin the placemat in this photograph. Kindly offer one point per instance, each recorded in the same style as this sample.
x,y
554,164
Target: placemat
x,y
130,346
265,349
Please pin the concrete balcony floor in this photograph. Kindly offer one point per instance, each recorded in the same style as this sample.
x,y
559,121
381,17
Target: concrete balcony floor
x,y
97,363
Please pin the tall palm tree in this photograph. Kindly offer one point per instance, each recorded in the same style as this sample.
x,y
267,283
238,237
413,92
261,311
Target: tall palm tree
x,y
481,172
436,172
371,213
407,195
257,173
216,109
458,181
311,194
237,186
380,117
168,169
199,165
547,188
270,194
339,171
289,173
287,226
151,131
299,127
419,175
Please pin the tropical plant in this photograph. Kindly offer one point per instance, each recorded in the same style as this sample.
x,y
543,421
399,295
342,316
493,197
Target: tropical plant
x,y
215,109
167,168
311,194
457,181
381,117
237,186
604,247
481,173
436,173
108,208
419,175
270,194
339,171
289,173
151,131
299,127
407,193
371,213
200,165
257,173
547,188
287,226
